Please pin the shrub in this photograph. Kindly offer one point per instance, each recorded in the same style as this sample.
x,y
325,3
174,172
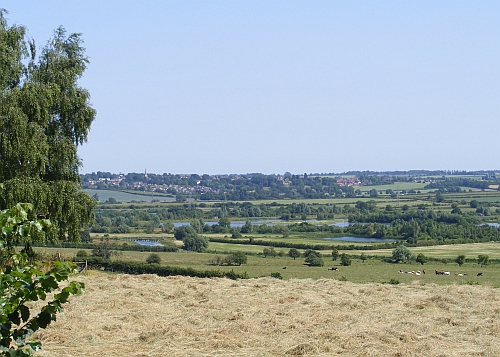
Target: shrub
x,y
82,254
195,243
276,276
293,253
335,254
401,254
102,251
236,258
421,258
460,260
21,283
236,234
153,258
345,259
313,258
482,259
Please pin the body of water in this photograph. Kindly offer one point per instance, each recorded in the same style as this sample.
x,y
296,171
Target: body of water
x,y
497,225
149,243
363,239
233,224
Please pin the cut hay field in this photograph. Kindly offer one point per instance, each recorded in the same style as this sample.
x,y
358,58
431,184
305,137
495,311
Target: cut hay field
x,y
139,316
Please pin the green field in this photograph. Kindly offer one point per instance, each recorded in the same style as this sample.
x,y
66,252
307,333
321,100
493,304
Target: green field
x,y
121,196
372,270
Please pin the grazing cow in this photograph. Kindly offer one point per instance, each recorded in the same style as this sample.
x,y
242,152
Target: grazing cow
x,y
438,272
446,273
401,272
479,274
334,269
423,271
284,267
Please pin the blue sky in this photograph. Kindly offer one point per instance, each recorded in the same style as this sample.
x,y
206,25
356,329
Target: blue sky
x,y
275,86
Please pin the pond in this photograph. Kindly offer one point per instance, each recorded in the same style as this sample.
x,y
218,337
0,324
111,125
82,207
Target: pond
x,y
148,243
363,239
496,225
233,224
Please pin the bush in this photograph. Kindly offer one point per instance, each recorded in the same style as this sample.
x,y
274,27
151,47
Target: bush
x,y
195,243
421,258
482,259
102,251
21,283
236,234
401,254
293,253
153,258
82,254
314,258
236,258
460,260
345,259
276,276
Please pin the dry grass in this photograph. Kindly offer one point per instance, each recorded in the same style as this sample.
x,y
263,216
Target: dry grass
x,y
122,315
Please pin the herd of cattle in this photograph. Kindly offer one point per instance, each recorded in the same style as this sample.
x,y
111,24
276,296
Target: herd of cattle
x,y
438,272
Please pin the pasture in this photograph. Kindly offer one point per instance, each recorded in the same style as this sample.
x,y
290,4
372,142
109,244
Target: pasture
x,y
122,196
372,270
138,316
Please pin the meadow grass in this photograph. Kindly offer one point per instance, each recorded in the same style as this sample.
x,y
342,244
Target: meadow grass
x,y
372,270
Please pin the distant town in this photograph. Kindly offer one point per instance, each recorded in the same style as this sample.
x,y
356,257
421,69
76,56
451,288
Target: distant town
x,y
277,186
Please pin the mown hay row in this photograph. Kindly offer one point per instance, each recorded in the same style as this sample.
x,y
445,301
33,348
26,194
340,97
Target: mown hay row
x,y
149,315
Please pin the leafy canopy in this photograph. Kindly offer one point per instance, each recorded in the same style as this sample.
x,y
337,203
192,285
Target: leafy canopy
x,y
44,116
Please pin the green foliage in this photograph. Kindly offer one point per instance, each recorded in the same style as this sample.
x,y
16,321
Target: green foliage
x,y
269,251
103,251
181,232
22,283
460,260
247,227
335,254
482,259
401,254
236,234
293,253
313,258
153,258
82,254
195,243
421,258
150,228
161,270
236,258
345,259
276,275
362,257
394,281
44,116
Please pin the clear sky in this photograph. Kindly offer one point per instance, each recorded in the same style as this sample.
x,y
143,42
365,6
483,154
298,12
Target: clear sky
x,y
274,86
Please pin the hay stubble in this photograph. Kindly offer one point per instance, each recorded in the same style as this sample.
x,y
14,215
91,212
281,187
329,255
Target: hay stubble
x,y
180,316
